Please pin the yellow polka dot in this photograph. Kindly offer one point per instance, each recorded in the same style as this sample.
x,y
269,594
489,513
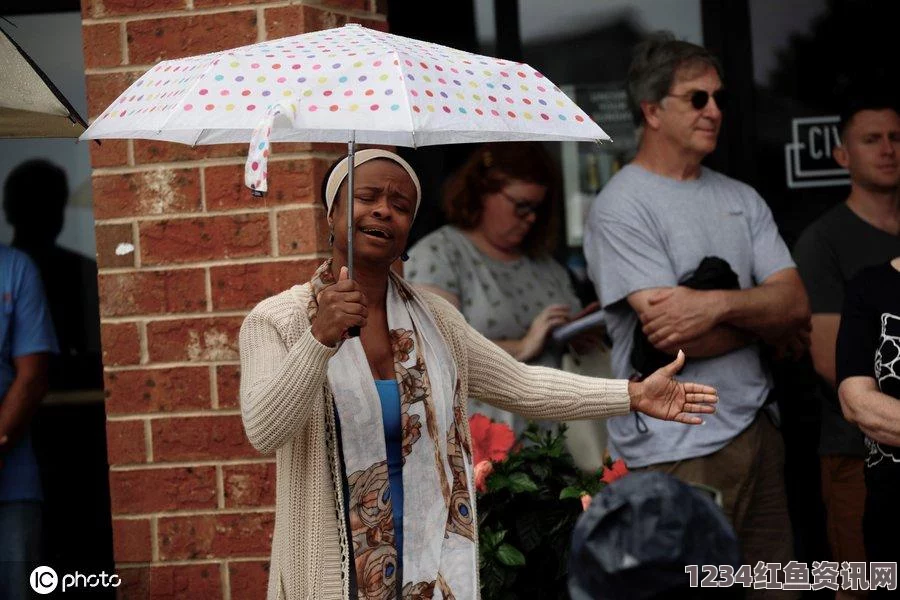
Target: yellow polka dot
x,y
287,93
426,78
323,79
430,108
353,107
260,79
523,87
235,64
229,107
383,77
307,93
472,84
560,103
527,115
488,73
476,97
357,64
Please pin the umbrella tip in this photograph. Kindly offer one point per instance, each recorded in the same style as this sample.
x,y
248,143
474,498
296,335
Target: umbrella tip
x,y
257,193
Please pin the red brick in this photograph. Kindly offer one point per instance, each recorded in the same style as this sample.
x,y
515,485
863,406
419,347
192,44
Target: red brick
x,y
214,536
200,438
109,237
121,344
131,540
204,339
153,151
108,153
243,286
290,182
197,582
157,390
347,4
156,490
103,89
152,292
125,442
249,580
249,485
302,231
291,20
206,238
102,45
152,40
135,583
218,3
156,192
96,9
228,384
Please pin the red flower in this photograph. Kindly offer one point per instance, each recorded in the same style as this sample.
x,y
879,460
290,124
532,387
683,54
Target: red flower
x,y
616,471
483,470
490,441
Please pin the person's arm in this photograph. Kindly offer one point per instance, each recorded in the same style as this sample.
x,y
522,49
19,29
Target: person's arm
x,y
23,397
525,348
771,310
823,339
545,393
875,413
716,341
279,384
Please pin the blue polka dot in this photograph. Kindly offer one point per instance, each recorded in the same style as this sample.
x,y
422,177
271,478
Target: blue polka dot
x,y
395,106
462,110
220,77
491,85
562,117
343,79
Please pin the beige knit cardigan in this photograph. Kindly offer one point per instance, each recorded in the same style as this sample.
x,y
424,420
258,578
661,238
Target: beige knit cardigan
x,y
286,408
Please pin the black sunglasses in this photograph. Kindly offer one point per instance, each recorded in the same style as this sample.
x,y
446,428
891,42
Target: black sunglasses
x,y
700,98
522,208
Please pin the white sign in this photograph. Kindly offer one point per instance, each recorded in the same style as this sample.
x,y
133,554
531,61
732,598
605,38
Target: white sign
x,y
807,159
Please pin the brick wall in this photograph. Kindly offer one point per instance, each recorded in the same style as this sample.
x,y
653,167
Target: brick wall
x,y
192,501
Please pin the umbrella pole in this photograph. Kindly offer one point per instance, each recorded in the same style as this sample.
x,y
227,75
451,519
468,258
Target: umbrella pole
x,y
351,149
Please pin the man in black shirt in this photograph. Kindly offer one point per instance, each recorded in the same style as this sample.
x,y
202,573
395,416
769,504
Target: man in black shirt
x,y
857,233
868,376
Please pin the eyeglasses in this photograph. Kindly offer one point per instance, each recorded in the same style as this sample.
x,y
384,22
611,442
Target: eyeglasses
x,y
700,98
522,208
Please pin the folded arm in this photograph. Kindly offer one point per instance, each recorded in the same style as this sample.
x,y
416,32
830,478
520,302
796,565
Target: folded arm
x,y
719,339
875,413
278,384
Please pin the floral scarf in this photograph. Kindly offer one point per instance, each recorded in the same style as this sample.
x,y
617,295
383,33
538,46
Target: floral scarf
x,y
439,553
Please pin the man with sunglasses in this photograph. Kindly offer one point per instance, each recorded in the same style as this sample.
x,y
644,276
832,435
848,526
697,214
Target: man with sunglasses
x,y
646,234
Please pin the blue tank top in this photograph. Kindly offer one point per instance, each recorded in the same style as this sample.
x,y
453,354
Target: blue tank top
x,y
389,394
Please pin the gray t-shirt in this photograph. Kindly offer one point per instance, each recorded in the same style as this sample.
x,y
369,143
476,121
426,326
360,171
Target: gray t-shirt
x,y
499,299
646,231
829,253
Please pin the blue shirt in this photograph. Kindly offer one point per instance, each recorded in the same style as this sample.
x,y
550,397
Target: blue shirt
x,y
389,394
25,328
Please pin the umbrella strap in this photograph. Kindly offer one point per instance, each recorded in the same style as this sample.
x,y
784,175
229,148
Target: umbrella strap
x,y
256,171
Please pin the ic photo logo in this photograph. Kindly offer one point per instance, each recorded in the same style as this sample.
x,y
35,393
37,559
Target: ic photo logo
x,y
44,580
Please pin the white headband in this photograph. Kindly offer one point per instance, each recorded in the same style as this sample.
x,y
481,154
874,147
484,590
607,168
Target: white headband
x,y
339,173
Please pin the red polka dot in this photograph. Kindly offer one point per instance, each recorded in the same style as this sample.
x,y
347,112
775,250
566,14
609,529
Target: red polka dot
x,y
423,65
245,93
446,109
545,116
204,92
188,106
579,118
326,93
521,74
210,106
495,113
511,114
251,107
254,165
224,93
348,93
276,66
333,108
373,107
416,108
313,108
504,73
492,98
479,111
369,92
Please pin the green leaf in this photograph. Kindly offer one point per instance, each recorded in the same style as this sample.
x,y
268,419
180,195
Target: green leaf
x,y
571,492
510,556
520,482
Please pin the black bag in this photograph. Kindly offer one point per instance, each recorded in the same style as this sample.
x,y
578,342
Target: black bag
x,y
638,535
713,273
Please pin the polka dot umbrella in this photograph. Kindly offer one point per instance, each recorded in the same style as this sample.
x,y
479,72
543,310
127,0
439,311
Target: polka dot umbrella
x,y
349,84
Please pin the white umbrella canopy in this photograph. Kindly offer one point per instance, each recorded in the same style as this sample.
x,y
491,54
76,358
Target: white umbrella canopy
x,y
348,84
30,105
386,88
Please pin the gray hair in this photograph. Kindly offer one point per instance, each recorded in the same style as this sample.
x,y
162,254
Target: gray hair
x,y
653,67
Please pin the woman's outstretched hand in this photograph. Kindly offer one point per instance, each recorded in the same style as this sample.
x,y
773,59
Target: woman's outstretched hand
x,y
660,395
